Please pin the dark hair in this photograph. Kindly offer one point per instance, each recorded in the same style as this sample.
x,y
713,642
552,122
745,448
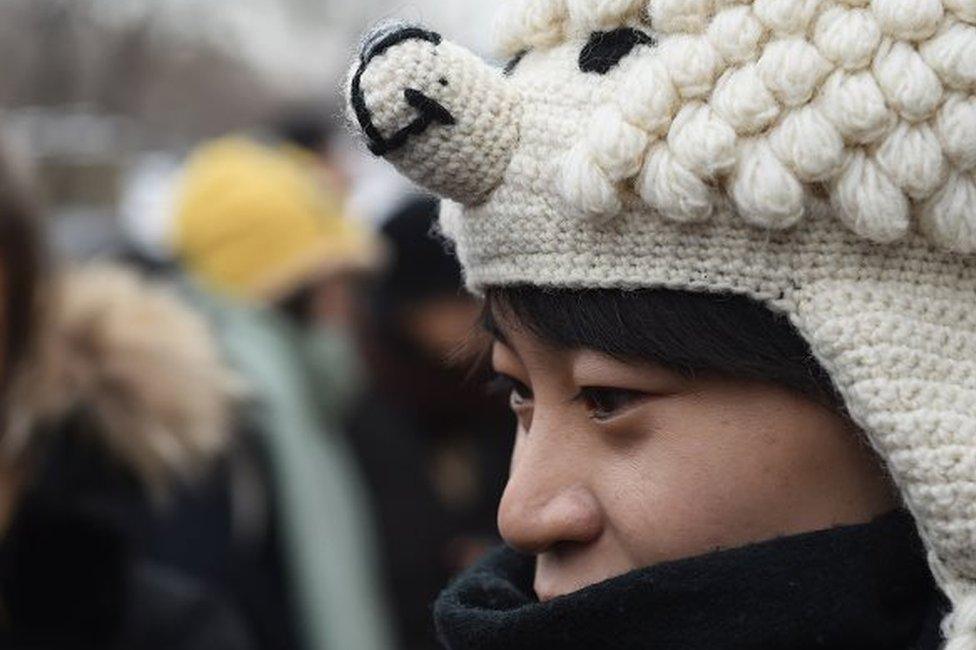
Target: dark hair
x,y
299,305
420,267
307,127
21,263
419,271
686,331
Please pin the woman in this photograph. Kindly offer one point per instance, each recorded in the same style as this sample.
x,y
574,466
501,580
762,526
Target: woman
x,y
274,264
20,250
425,434
112,395
727,251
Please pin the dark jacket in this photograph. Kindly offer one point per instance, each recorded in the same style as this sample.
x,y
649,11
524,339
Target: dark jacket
x,y
71,579
425,537
122,402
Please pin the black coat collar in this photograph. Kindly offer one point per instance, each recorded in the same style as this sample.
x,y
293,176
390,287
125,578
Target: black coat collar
x,y
865,587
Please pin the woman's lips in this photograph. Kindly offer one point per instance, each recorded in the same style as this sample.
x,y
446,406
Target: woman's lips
x,y
557,577
565,569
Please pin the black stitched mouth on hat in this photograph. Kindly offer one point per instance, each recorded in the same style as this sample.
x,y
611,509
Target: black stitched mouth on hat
x,y
605,50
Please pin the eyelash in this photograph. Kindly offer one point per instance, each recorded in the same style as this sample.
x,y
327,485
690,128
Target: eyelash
x,y
505,385
602,403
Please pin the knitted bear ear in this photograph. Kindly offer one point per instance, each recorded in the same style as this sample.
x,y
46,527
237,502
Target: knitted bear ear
x,y
444,118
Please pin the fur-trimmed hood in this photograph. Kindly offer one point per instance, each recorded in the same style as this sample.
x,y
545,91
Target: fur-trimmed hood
x,y
137,363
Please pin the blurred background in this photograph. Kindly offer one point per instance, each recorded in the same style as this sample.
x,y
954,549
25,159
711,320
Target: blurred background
x,y
244,403
104,97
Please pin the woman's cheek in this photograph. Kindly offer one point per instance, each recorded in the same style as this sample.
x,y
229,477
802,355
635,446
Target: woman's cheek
x,y
688,487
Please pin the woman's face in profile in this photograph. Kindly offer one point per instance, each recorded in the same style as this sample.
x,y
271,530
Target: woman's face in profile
x,y
618,466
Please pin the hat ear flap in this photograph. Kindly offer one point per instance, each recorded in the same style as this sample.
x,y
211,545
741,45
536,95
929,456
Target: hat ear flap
x,y
902,357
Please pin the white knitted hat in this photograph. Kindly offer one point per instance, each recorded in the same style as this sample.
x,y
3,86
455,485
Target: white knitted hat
x,y
816,155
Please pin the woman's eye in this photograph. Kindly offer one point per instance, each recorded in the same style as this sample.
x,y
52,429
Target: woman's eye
x,y
518,392
604,403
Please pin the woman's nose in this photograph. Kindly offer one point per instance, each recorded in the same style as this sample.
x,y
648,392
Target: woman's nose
x,y
545,503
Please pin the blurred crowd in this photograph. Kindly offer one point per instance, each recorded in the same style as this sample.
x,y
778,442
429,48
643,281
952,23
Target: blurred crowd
x,y
269,432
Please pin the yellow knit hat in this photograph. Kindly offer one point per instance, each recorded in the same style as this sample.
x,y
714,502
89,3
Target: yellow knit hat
x,y
253,223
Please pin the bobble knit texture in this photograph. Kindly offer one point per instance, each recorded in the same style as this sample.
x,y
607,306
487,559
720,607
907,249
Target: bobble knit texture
x,y
816,155
869,102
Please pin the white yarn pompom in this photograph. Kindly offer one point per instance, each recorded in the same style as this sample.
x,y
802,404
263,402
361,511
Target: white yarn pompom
x,y
585,186
692,63
912,157
743,100
910,86
792,69
809,144
949,217
786,17
650,98
964,10
736,33
848,37
616,146
669,16
869,202
522,24
590,15
908,20
702,141
956,127
952,54
856,106
671,189
765,192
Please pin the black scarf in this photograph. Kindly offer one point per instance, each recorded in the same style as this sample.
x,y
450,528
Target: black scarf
x,y
865,587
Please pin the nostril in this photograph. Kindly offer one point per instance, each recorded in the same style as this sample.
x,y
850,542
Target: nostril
x,y
386,35
573,516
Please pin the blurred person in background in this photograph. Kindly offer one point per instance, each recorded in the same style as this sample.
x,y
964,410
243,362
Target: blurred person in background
x,y
112,393
425,433
273,262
